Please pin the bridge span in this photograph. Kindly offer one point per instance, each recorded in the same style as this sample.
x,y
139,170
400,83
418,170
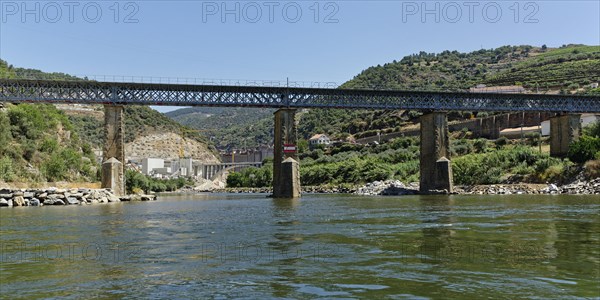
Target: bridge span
x,y
435,165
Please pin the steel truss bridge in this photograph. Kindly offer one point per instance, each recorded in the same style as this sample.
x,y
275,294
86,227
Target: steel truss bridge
x,y
117,93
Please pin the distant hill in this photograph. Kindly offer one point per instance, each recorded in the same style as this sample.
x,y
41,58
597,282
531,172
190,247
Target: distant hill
x,y
569,69
237,127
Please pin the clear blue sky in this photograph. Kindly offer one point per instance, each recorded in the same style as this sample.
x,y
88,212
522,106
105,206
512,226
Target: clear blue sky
x,y
190,39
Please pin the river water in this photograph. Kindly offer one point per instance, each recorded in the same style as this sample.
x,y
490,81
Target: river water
x,y
329,246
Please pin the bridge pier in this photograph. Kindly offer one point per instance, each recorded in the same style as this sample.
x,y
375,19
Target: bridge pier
x,y
564,129
114,147
286,171
436,169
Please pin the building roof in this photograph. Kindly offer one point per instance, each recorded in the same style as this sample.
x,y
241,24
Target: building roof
x,y
318,136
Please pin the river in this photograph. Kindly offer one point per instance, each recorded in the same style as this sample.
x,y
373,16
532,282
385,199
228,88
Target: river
x,y
329,246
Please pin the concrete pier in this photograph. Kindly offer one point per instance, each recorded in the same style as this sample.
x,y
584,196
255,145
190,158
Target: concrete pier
x,y
436,169
286,180
114,148
564,129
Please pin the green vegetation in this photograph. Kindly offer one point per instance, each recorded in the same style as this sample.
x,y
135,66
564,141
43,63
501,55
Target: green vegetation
x,y
136,182
496,166
229,127
474,162
588,146
38,143
252,177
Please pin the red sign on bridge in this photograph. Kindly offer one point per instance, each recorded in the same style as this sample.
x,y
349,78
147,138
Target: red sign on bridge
x,y
289,148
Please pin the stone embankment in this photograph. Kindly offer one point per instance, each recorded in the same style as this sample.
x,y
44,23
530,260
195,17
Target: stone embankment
x,y
305,189
54,196
388,188
394,187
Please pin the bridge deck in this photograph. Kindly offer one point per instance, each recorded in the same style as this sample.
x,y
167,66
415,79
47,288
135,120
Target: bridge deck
x,y
93,92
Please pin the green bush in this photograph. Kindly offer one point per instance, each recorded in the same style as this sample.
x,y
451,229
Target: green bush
x,y
592,130
480,145
502,141
533,138
7,173
489,168
135,181
49,145
584,149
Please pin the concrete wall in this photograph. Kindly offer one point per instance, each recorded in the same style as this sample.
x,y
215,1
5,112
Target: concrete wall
x,y
114,147
435,146
564,129
148,164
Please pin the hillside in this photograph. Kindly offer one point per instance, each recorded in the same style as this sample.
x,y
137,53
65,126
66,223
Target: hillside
x,y
45,142
568,69
229,127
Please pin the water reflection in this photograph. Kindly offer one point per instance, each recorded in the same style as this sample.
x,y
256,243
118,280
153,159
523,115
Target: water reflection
x,y
437,219
286,245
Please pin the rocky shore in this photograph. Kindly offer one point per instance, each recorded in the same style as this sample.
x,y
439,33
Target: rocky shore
x,y
55,196
305,189
394,187
388,188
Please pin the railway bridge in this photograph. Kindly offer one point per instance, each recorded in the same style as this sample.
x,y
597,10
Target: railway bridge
x,y
435,165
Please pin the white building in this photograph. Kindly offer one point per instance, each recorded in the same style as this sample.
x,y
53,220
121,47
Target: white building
x,y
586,119
319,139
149,164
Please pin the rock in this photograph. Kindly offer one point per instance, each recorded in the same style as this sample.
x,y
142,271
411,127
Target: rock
x,y
113,198
43,195
10,203
6,195
72,201
3,202
59,202
148,197
35,202
49,201
28,195
56,196
19,201
18,193
388,188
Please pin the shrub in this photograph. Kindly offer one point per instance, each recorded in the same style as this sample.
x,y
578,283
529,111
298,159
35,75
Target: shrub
x,y
584,149
135,181
592,130
480,145
502,141
49,145
533,138
592,169
7,173
235,179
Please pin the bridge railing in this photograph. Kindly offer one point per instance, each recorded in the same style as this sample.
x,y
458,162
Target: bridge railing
x,y
180,80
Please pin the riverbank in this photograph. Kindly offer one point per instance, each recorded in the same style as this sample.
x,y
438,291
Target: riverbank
x,y
398,188
60,197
